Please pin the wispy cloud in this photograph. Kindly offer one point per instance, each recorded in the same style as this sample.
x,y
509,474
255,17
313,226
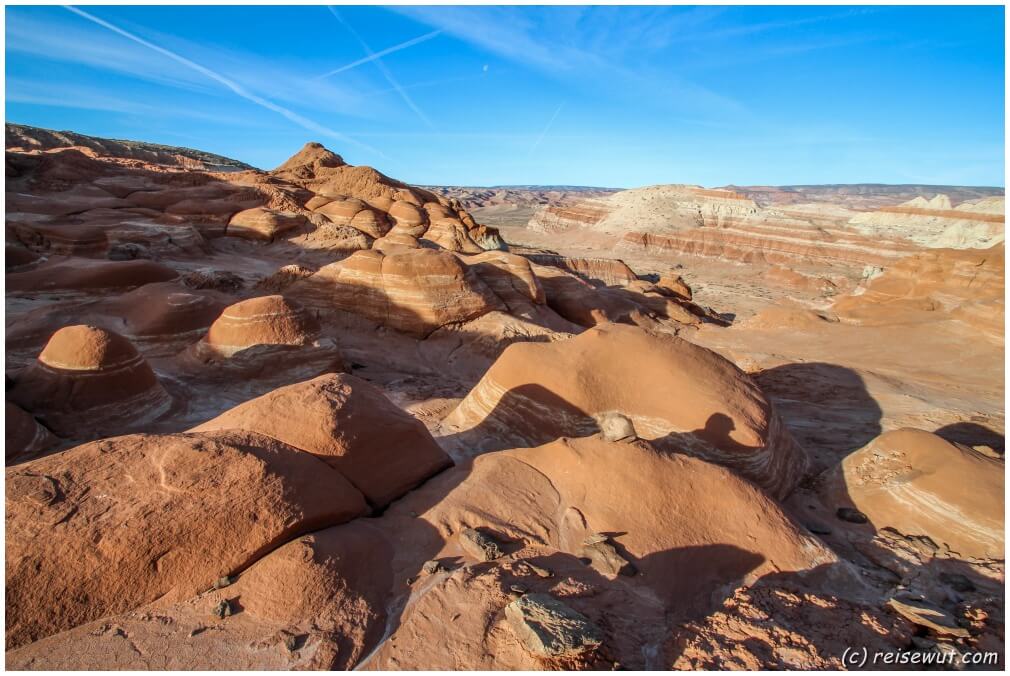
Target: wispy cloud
x,y
70,95
547,128
382,68
236,88
581,47
377,55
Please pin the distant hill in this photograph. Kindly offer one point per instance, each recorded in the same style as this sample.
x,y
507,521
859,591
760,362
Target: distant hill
x,y
25,138
860,195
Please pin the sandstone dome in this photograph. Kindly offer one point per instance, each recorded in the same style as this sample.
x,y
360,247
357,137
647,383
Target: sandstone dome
x,y
87,380
145,517
350,425
680,396
414,291
918,484
266,320
167,311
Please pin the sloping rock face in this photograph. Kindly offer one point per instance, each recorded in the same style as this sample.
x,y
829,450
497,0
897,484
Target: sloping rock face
x,y
413,291
939,284
81,274
23,434
606,271
34,139
918,484
89,381
351,426
265,224
541,503
317,603
111,525
681,397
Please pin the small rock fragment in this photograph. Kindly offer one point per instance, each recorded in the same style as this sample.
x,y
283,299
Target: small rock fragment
x,y
851,515
616,427
223,582
604,558
927,615
517,590
478,545
528,568
432,567
291,642
547,627
222,609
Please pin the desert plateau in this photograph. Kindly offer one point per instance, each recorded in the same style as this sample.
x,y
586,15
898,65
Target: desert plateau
x,y
316,417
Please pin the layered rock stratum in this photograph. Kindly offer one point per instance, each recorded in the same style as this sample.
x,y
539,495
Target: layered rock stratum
x,y
318,418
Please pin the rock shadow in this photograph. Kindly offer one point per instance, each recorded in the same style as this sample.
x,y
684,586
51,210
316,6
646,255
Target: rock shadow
x,y
826,407
973,434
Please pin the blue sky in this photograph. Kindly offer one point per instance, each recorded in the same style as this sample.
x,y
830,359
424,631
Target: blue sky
x,y
606,96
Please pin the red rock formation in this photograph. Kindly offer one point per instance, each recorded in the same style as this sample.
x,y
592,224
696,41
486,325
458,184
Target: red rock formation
x,y
318,602
141,517
918,484
88,382
81,274
681,397
348,424
24,435
413,291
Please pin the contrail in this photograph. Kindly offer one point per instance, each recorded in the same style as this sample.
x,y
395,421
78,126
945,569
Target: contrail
x,y
234,86
372,56
384,52
547,128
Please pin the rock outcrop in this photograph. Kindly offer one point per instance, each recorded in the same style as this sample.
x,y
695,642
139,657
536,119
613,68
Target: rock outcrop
x,y
114,524
918,484
939,284
679,396
414,291
89,382
351,426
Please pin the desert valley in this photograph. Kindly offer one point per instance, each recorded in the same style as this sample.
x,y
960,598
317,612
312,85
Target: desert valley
x,y
316,418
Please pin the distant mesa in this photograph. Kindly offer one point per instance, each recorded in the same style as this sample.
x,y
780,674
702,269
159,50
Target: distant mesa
x,y
89,382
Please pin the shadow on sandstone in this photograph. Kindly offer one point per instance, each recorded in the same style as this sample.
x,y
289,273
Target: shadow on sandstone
x,y
826,407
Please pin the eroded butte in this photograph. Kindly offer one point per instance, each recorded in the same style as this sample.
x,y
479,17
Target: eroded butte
x,y
317,418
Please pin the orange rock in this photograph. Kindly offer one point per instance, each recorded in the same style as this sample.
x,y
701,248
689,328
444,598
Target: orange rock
x,y
679,396
317,602
919,484
413,291
266,320
348,424
264,224
88,381
114,524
